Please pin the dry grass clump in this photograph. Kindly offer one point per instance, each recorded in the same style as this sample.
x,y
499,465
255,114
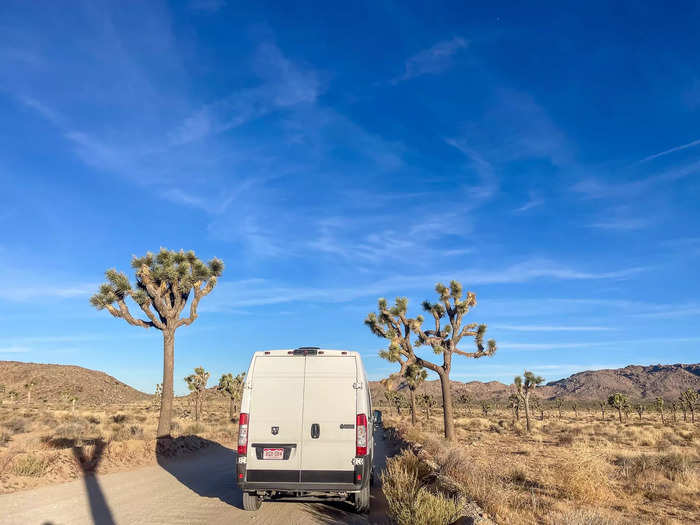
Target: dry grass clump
x,y
15,425
409,501
194,429
5,438
30,465
124,432
583,478
585,517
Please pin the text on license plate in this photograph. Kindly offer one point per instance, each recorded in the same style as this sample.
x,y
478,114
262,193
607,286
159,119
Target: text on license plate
x,y
273,453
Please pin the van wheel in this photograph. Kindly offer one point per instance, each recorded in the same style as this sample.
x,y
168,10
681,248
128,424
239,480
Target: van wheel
x,y
251,501
362,500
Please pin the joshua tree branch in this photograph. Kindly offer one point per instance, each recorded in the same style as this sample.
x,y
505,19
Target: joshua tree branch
x,y
199,292
124,313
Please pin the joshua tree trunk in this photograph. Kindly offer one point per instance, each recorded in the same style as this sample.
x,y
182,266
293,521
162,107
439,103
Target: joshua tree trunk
x,y
166,404
619,413
73,406
231,409
29,397
526,402
447,406
412,395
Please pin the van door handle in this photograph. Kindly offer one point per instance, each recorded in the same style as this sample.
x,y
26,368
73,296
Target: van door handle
x,y
315,431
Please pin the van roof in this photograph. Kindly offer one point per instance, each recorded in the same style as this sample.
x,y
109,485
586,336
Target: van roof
x,y
324,351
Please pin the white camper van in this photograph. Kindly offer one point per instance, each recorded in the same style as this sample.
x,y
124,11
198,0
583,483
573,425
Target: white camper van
x,y
305,429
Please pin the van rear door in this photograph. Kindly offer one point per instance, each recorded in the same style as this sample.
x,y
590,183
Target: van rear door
x,y
328,421
276,404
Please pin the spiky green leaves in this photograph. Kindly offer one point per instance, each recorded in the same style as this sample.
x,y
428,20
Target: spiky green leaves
x,y
164,282
618,400
530,381
197,382
231,385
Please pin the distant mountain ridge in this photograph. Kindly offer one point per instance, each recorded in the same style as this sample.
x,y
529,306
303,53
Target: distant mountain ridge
x,y
638,382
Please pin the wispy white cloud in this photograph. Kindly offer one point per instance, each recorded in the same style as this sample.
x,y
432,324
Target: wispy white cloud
x,y
671,150
621,223
508,345
533,202
432,61
258,292
14,292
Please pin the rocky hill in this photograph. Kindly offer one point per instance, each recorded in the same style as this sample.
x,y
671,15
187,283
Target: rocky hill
x,y
57,382
639,382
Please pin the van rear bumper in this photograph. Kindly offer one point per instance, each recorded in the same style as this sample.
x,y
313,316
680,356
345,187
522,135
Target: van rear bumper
x,y
305,480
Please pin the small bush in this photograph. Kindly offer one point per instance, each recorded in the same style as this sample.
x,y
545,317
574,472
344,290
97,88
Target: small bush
x,y
93,419
30,466
566,440
585,517
409,501
123,433
174,426
5,438
120,418
15,425
675,467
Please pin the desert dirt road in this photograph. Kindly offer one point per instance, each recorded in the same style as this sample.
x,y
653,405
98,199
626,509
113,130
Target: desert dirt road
x,y
199,489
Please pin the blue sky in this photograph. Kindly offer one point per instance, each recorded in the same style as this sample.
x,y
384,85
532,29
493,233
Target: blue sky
x,y
548,158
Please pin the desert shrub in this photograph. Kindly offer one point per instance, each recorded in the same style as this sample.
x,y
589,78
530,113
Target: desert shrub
x,y
94,420
76,428
195,428
120,418
5,438
123,433
174,426
566,439
15,425
140,418
47,419
676,467
29,465
408,499
583,479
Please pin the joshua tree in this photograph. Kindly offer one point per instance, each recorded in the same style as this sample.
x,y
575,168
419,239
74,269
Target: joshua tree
x,y
560,405
73,399
485,407
602,405
688,399
618,401
394,325
659,405
13,395
395,399
414,376
2,392
29,386
427,402
197,383
158,394
523,389
674,409
514,401
165,282
640,410
684,409
464,399
233,388
574,405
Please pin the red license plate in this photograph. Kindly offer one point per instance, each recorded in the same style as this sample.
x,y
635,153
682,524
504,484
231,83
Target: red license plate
x,y
273,453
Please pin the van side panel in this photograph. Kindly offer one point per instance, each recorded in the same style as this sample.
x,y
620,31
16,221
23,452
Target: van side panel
x,y
276,402
330,401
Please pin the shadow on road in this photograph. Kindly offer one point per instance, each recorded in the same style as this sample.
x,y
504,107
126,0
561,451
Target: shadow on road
x,y
171,454
88,463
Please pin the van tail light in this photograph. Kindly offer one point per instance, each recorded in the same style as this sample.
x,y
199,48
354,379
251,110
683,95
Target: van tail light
x,y
243,435
361,435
